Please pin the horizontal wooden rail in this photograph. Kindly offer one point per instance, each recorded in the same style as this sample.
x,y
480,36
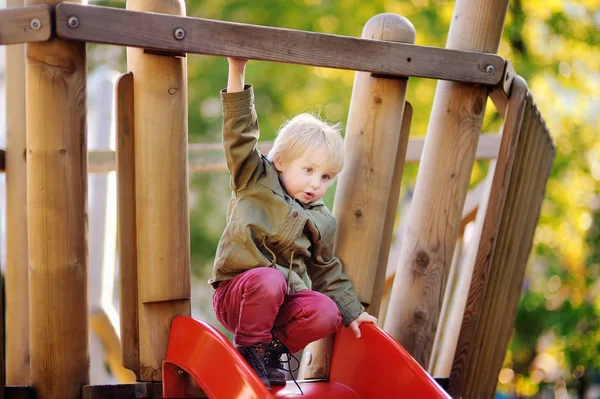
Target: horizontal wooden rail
x,y
209,157
169,33
25,24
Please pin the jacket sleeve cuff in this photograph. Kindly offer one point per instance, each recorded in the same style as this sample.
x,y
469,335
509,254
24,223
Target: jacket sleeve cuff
x,y
350,311
234,103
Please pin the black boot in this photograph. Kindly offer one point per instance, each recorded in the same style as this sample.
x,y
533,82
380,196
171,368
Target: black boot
x,y
275,371
255,356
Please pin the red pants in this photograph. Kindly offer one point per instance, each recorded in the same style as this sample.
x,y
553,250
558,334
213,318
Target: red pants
x,y
254,304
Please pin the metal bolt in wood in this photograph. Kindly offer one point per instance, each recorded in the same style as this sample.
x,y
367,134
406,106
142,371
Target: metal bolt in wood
x,y
73,22
35,24
179,33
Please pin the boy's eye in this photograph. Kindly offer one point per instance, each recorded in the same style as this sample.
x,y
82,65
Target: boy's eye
x,y
325,177
308,170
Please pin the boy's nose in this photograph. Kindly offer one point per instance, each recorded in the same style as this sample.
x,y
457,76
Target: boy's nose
x,y
315,183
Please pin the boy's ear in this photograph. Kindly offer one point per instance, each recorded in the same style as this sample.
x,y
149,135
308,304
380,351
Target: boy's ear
x,y
278,163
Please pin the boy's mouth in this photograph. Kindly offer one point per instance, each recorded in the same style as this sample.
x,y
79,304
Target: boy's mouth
x,y
309,195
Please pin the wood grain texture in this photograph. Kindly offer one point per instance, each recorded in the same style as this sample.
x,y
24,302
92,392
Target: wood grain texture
x,y
16,23
161,192
515,236
204,36
17,273
390,216
370,147
128,275
516,119
56,217
370,153
208,158
457,287
441,187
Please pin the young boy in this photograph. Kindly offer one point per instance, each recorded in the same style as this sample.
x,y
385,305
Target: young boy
x,y
278,230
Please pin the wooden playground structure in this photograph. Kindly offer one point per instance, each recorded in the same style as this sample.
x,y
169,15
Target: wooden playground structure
x,y
453,316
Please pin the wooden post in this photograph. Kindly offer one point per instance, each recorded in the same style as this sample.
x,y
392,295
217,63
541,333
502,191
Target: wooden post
x,y
128,276
161,188
516,120
457,289
17,274
442,185
371,143
390,216
56,211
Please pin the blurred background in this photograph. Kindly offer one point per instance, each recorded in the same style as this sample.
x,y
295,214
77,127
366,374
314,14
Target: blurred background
x,y
553,44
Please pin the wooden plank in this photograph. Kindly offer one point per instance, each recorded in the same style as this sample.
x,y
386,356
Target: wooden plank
x,y
161,191
17,270
474,197
203,36
56,217
500,93
370,146
504,290
25,24
442,185
459,280
128,276
208,158
516,119
390,217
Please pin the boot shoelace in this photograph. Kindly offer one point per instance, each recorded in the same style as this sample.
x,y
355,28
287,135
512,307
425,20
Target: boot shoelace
x,y
289,357
280,349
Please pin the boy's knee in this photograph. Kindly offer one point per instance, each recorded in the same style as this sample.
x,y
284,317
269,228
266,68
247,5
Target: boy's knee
x,y
269,282
328,317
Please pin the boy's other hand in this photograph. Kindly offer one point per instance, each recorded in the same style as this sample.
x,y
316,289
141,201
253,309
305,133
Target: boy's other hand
x,y
364,317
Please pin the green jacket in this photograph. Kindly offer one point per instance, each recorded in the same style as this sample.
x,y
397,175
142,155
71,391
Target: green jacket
x,y
266,227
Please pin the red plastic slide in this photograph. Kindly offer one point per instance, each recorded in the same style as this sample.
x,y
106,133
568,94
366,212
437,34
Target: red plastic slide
x,y
374,366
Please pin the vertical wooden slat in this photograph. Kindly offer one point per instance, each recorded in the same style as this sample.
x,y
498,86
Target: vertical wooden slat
x,y
474,282
17,274
128,280
392,207
161,192
371,143
442,185
457,288
56,212
476,375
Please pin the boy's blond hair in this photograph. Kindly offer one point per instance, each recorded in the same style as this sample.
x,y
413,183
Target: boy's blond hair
x,y
306,132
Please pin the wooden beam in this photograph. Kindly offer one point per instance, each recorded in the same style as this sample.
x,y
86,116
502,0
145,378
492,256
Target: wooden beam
x,y
497,291
370,147
128,275
390,217
25,24
17,269
102,161
442,185
161,189
517,118
203,36
57,217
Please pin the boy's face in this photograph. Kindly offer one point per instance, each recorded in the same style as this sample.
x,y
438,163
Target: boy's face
x,y
306,178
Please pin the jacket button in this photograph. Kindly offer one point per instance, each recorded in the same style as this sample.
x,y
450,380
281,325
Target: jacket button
x,y
295,214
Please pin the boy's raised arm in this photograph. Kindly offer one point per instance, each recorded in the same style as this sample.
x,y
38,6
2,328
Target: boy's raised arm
x,y
235,78
240,126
